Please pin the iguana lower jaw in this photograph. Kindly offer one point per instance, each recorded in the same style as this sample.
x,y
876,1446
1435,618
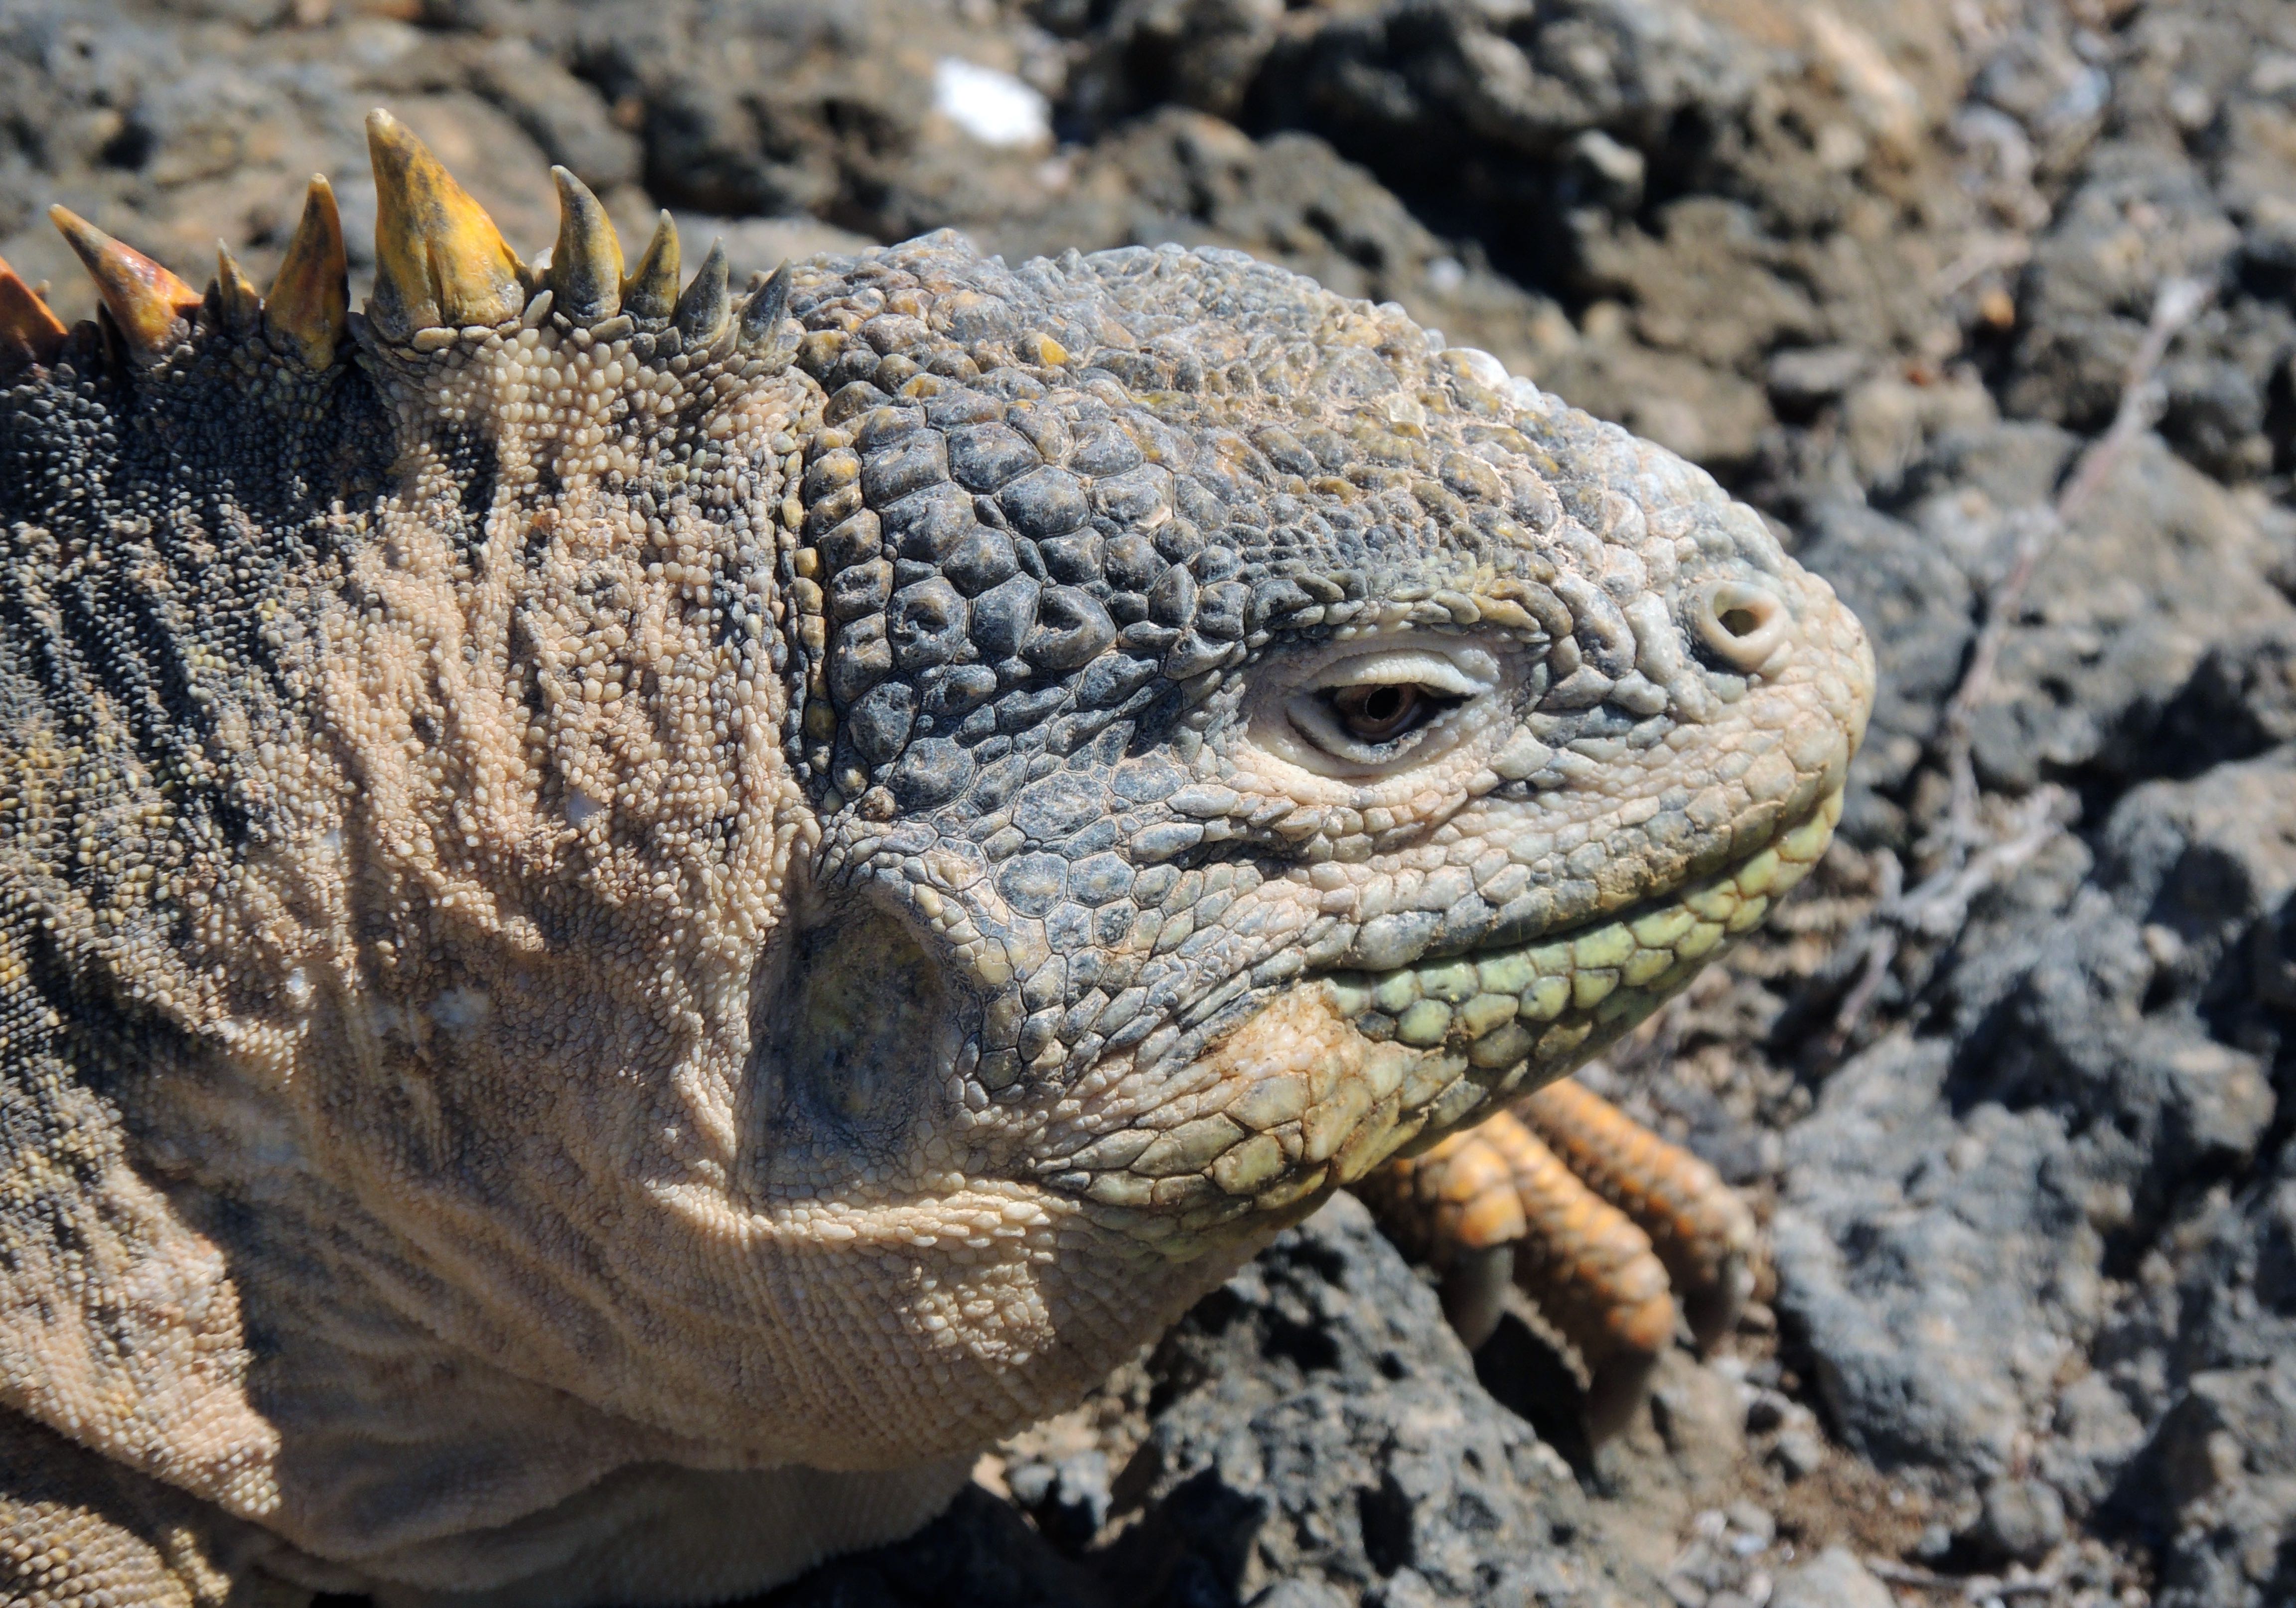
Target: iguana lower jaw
x,y
1335,1077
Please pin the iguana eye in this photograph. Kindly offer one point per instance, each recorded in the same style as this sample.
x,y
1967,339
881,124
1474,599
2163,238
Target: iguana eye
x,y
1382,713
1374,709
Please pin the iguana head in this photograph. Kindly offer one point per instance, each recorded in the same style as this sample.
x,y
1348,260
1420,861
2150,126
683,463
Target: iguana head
x,y
810,869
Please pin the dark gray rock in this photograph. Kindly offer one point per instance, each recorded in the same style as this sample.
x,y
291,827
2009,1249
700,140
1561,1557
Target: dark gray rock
x,y
2223,1461
2198,148
2152,639
2143,215
2161,569
1909,1279
1205,54
1919,609
981,1553
807,107
1431,78
1642,160
1181,175
2242,699
1329,1429
1956,1207
2161,566
561,114
2202,1353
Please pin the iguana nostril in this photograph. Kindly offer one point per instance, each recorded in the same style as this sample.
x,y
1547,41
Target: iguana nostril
x,y
1747,627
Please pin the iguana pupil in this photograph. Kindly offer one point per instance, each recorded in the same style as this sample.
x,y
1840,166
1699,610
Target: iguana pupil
x,y
1378,713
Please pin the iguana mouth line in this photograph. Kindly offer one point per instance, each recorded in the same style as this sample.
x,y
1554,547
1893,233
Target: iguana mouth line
x,y
1343,1070
1581,966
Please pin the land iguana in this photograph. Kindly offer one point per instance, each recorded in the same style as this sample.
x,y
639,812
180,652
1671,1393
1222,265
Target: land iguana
x,y
634,919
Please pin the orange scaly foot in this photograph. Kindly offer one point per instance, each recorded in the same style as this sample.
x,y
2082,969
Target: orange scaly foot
x,y
1598,1220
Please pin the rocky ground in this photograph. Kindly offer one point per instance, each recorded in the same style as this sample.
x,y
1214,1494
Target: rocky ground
x,y
2013,1082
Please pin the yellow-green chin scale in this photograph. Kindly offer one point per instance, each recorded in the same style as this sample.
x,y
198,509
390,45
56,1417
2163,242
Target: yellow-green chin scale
x,y
1347,1071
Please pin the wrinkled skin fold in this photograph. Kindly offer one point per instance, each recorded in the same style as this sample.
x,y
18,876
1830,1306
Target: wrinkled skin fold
x,y
607,903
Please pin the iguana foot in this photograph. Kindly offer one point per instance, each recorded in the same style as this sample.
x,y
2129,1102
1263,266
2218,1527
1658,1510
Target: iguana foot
x,y
1604,1225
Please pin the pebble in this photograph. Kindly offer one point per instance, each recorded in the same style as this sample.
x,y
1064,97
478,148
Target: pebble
x,y
1798,1454
1754,1525
1766,1410
2021,1519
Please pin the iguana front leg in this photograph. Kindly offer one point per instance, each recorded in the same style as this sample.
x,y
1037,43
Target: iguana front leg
x,y
1602,1223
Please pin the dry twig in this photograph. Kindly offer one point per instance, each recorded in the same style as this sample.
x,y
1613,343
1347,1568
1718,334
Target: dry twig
x,y
1975,1587
1992,252
1935,908
2173,308
1972,860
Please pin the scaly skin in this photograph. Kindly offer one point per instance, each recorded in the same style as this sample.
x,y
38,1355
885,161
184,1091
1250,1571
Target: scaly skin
x,y
605,905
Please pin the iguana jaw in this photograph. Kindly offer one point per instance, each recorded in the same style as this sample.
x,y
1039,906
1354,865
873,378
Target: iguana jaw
x,y
1337,1073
